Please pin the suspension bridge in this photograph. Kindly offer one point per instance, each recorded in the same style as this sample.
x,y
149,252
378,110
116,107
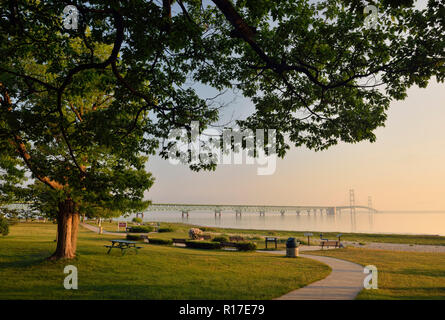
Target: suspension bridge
x,y
185,209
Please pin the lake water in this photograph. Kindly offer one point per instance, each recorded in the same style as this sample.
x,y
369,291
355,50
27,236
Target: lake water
x,y
401,223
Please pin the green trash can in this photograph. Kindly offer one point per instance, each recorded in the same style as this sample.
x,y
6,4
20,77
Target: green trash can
x,y
292,248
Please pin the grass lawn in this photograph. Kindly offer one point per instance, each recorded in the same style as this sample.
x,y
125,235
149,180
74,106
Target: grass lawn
x,y
157,272
401,275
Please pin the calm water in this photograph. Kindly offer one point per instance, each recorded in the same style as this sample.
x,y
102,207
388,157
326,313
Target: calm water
x,y
402,223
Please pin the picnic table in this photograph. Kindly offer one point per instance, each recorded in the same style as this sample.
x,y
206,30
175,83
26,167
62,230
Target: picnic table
x,y
124,245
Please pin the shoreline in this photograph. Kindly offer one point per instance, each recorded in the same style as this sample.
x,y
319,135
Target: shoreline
x,y
299,231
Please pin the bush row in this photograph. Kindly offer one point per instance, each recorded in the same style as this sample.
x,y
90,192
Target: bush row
x,y
134,237
246,246
159,241
165,230
140,229
203,244
220,239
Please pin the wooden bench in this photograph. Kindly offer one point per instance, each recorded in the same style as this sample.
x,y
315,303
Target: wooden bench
x,y
327,243
236,238
273,240
179,241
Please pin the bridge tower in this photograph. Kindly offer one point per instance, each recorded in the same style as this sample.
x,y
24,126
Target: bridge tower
x,y
352,206
370,213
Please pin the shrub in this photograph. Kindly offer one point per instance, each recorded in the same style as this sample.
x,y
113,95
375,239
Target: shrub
x,y
202,244
4,227
140,229
195,233
137,220
208,229
166,230
246,246
220,239
159,241
134,237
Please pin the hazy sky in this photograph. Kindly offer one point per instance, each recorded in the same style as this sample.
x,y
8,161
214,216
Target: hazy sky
x,y
404,169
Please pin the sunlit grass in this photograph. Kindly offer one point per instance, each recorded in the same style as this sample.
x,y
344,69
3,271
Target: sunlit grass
x,y
157,272
401,275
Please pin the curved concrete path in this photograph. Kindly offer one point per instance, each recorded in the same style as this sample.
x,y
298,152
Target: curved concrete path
x,y
344,282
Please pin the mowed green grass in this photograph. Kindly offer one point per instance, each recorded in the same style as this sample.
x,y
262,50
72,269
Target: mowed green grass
x,y
157,272
401,275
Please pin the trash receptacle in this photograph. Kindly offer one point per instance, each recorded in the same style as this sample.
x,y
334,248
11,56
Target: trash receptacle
x,y
292,248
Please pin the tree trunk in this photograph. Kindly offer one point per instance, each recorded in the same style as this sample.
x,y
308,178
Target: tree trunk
x,y
67,227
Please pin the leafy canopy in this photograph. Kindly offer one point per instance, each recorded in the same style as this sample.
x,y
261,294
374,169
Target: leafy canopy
x,y
82,109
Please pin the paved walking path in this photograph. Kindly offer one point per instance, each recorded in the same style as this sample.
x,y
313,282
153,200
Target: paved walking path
x,y
343,283
96,229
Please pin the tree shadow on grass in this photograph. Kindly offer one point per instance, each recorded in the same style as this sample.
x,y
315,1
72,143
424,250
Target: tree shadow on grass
x,y
27,260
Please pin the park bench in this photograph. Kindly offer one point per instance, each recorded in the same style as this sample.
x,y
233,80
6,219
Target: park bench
x,y
273,240
179,241
236,238
327,243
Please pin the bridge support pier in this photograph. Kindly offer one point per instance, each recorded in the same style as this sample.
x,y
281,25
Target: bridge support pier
x,y
238,212
185,214
309,212
298,212
217,213
262,213
282,212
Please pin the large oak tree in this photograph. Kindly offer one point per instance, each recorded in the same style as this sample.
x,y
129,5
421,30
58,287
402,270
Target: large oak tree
x,y
81,109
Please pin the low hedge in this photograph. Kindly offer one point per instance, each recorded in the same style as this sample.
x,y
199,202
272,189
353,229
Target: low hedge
x,y
159,241
246,246
220,239
141,229
202,244
161,230
208,229
134,237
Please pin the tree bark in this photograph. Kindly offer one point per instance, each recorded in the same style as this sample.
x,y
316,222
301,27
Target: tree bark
x,y
67,228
